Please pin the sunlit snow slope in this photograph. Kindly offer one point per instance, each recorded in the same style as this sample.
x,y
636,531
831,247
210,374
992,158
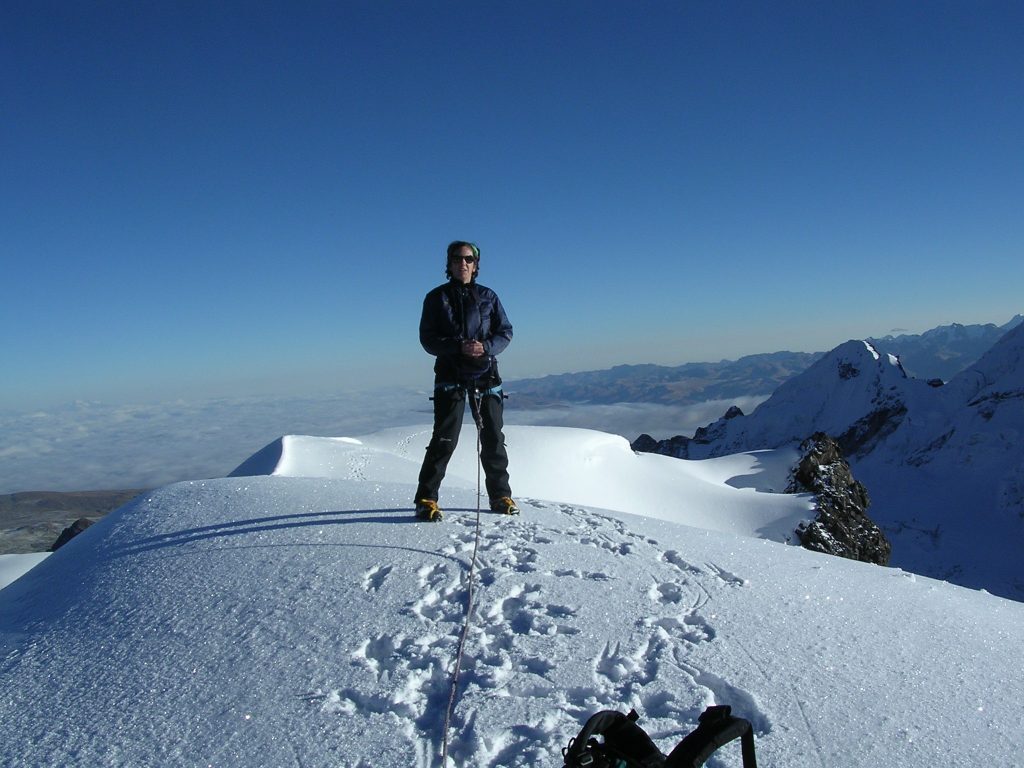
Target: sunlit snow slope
x,y
580,466
305,618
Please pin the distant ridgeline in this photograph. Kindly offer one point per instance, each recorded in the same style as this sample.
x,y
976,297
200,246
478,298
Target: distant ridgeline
x,y
676,385
936,354
943,352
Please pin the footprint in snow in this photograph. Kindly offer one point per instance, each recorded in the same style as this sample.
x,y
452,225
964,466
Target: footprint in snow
x,y
374,578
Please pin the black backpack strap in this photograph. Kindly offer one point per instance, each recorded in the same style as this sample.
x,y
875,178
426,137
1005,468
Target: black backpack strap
x,y
716,728
625,743
577,751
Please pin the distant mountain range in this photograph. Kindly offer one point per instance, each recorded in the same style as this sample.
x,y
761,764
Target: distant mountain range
x,y
938,353
942,463
943,352
681,384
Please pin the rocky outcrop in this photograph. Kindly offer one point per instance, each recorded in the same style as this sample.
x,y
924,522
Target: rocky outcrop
x,y
70,532
30,521
841,526
679,445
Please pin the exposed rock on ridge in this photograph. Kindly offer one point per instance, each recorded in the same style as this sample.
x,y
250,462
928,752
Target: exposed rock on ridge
x,y
841,526
70,532
679,446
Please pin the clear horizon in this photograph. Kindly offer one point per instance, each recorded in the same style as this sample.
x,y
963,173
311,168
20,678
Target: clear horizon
x,y
207,201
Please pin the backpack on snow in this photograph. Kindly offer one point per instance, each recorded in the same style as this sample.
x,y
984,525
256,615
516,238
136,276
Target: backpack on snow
x,y
626,745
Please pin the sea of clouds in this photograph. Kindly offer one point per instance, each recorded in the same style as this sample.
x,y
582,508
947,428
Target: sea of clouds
x,y
93,445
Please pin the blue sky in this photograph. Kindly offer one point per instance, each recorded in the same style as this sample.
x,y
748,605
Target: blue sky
x,y
204,199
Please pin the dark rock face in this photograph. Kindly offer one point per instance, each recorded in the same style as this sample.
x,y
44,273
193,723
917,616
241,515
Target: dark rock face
x,y
869,430
848,370
677,447
733,412
70,532
841,526
715,431
30,521
644,444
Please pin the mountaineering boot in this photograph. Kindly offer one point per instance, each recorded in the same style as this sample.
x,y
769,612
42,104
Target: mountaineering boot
x,y
504,506
427,509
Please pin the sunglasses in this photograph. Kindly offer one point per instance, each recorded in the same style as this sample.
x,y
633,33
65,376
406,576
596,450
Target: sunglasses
x,y
467,259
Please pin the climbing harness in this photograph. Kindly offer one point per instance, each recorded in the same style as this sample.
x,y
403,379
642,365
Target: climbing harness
x,y
626,745
474,407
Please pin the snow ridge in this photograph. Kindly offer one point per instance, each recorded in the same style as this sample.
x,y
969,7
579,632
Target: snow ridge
x,y
281,620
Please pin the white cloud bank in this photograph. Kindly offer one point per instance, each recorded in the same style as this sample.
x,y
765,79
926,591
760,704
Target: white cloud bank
x,y
89,445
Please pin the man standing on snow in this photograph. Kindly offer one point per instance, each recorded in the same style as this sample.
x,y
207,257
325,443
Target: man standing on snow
x,y
464,326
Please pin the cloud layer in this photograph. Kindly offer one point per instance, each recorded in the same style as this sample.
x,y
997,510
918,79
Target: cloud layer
x,y
90,445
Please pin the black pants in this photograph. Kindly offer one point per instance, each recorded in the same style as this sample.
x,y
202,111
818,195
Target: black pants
x,y
449,408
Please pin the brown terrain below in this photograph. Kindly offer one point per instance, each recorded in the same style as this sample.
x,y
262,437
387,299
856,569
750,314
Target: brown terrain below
x,y
31,521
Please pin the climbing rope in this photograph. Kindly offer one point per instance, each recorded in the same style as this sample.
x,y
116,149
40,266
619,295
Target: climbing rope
x,y
475,409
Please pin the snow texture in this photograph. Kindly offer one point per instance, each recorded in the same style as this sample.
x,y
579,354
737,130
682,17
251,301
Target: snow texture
x,y
297,614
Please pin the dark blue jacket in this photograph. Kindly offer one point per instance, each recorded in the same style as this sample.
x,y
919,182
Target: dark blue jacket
x,y
453,313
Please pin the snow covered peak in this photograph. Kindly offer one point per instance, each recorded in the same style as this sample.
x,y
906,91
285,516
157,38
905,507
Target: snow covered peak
x,y
856,357
942,465
852,383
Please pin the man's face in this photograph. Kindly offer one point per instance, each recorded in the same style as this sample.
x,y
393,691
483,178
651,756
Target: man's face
x,y
462,265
